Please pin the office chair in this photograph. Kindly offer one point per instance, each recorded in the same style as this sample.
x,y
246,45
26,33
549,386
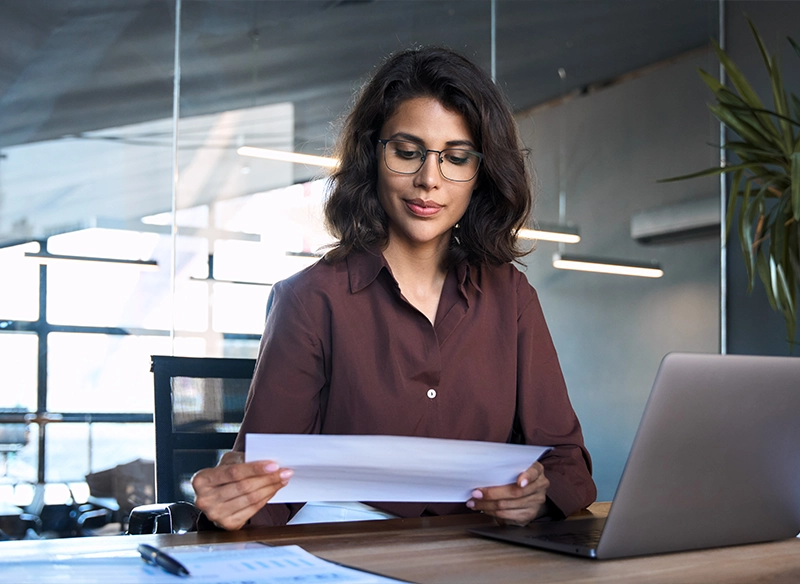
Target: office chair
x,y
199,404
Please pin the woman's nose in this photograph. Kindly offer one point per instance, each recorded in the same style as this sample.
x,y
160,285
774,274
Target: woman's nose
x,y
428,175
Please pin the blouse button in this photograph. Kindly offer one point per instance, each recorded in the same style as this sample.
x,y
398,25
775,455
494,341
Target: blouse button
x,y
431,393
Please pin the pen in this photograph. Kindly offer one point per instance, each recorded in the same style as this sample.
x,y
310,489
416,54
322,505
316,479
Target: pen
x,y
155,556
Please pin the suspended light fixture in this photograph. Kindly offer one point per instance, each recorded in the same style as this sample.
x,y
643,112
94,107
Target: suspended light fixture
x,y
561,232
564,261
583,263
47,258
557,233
284,156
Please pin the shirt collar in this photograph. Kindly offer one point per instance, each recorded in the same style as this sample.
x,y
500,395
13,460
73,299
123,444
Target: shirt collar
x,y
364,266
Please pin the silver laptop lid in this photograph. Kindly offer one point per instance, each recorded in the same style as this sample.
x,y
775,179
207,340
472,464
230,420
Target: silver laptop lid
x,y
716,459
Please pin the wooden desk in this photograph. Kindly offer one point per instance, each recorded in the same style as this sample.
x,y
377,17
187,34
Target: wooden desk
x,y
438,549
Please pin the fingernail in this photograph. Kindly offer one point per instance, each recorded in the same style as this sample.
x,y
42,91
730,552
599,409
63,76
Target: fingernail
x,y
271,467
523,483
476,494
286,474
471,504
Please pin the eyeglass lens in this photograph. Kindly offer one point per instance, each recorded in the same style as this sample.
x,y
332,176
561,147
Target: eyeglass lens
x,y
454,163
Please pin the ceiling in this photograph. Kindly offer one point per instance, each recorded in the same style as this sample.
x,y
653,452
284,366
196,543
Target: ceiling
x,y
72,67
77,65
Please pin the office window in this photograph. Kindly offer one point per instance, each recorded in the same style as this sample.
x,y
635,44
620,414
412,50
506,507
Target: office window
x,y
19,294
18,377
20,467
239,308
102,294
115,379
76,450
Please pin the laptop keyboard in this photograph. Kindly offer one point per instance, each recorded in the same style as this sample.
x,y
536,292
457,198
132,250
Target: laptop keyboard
x,y
584,538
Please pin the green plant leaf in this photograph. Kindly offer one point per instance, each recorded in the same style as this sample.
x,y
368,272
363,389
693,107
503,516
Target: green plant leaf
x,y
789,313
777,230
780,117
740,83
732,199
751,154
712,82
795,181
747,216
795,45
795,106
772,65
762,265
781,105
757,118
785,294
761,47
707,172
738,80
746,130
773,282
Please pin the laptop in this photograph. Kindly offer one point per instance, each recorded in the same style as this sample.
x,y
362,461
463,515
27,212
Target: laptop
x,y
715,462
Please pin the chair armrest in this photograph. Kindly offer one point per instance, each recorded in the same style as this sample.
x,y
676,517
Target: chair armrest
x,y
178,517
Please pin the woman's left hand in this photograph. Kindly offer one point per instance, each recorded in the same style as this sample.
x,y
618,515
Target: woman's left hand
x,y
514,504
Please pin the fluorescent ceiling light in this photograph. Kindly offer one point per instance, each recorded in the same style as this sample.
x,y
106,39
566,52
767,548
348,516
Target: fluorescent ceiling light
x,y
558,233
287,156
242,282
607,266
49,258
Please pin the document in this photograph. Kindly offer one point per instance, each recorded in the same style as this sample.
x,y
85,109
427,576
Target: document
x,y
388,468
219,564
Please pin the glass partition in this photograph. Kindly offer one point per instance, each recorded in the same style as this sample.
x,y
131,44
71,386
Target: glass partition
x,y
98,274
85,108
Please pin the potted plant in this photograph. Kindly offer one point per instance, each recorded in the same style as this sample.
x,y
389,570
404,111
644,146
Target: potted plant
x,y
765,180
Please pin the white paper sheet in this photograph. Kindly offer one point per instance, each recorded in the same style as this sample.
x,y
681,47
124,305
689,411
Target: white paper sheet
x,y
388,468
224,564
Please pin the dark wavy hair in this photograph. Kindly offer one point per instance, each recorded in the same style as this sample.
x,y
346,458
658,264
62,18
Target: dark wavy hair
x,y
501,202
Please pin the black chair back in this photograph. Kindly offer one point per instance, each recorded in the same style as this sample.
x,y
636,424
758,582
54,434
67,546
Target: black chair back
x,y
199,403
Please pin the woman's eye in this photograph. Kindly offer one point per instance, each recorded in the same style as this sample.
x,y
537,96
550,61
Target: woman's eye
x,y
457,158
407,154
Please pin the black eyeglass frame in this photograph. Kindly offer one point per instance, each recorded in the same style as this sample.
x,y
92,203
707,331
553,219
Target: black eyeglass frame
x,y
425,152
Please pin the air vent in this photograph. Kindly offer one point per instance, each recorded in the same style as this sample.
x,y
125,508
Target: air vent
x,y
691,219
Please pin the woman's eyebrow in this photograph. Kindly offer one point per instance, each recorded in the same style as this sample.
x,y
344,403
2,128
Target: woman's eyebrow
x,y
420,141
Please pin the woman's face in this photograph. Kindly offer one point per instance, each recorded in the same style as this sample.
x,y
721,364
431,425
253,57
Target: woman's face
x,y
423,207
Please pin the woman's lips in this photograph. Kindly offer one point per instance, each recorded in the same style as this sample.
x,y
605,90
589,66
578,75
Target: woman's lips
x,y
423,208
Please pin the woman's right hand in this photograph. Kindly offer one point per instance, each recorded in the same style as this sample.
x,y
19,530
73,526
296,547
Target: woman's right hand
x,y
234,490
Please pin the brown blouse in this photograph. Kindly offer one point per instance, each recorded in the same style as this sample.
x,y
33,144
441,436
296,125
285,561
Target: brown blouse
x,y
344,352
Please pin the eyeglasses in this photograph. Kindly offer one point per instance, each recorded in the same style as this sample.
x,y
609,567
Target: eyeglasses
x,y
455,164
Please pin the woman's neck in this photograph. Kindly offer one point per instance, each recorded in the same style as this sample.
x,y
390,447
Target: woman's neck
x,y
420,274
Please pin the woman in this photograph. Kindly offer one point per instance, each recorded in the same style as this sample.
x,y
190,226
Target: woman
x,y
416,322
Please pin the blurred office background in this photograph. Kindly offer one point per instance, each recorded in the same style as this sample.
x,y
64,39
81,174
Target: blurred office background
x,y
608,100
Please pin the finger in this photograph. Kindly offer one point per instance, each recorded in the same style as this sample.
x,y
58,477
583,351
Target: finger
x,y
226,492
221,493
231,506
234,514
231,473
511,491
530,474
528,482
494,505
